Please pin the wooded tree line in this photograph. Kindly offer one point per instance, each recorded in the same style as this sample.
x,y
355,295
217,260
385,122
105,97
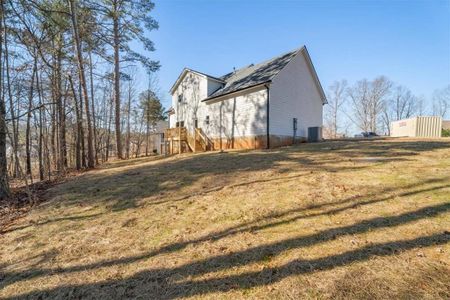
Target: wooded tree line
x,y
371,105
68,90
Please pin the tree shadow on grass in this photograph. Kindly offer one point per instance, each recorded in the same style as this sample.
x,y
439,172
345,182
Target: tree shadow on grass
x,y
394,148
149,284
144,281
261,223
197,174
50,221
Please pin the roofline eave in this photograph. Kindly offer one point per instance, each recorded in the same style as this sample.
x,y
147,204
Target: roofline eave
x,y
236,91
185,71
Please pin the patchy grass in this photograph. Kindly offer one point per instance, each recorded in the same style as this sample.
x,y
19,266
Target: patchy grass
x,y
363,219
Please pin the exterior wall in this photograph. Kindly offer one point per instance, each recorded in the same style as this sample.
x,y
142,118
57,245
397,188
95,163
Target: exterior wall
x,y
417,127
238,121
172,120
213,86
193,88
294,94
155,143
243,115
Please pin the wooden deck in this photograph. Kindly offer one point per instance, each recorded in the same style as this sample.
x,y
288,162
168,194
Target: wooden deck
x,y
178,140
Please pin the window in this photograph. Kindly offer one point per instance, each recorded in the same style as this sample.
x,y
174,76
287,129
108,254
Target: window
x,y
207,120
181,123
177,124
195,123
180,98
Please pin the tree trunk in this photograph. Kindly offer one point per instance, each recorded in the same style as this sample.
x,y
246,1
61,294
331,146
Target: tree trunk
x,y
147,130
117,81
82,77
91,75
4,183
14,122
62,122
79,126
109,132
28,128
60,113
41,129
128,123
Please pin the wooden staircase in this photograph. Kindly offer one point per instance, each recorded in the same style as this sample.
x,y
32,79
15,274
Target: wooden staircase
x,y
178,140
202,141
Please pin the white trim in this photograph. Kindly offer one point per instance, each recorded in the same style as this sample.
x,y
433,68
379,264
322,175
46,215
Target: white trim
x,y
244,91
184,73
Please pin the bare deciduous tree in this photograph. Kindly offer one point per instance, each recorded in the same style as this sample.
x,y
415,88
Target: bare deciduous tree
x,y
367,98
4,184
401,104
441,102
336,99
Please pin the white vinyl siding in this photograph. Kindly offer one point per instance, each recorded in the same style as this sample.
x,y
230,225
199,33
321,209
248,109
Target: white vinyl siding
x,y
240,116
294,94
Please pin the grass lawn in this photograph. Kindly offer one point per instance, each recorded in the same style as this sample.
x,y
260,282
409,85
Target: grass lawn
x,y
344,219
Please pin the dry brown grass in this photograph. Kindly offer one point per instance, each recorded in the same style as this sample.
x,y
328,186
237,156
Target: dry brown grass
x,y
340,220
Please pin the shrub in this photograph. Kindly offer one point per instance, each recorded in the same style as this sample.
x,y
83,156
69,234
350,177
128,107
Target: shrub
x,y
445,132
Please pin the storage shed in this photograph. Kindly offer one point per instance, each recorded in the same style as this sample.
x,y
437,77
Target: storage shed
x,y
428,127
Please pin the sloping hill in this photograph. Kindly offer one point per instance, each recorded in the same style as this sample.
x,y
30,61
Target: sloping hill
x,y
361,219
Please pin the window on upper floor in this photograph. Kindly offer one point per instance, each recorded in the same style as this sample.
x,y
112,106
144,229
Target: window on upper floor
x,y
180,98
207,120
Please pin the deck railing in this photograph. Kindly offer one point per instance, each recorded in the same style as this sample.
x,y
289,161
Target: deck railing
x,y
177,134
179,140
202,139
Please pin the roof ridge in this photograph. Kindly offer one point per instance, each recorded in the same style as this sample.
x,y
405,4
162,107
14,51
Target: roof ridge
x,y
254,74
264,61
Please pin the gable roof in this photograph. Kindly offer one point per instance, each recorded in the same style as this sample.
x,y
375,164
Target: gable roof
x,y
255,75
187,70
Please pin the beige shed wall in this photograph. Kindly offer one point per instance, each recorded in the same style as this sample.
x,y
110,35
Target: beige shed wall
x,y
417,127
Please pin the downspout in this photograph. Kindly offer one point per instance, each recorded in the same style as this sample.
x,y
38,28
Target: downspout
x,y
267,115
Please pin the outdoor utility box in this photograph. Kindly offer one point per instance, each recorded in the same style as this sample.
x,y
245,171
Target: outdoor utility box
x,y
314,134
428,127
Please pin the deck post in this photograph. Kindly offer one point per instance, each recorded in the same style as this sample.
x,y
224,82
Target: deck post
x,y
195,140
179,140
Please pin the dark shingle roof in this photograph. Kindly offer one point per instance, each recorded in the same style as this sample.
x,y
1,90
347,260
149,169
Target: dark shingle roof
x,y
252,75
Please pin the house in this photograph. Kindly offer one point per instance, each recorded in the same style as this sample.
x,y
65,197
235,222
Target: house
x,y
270,104
156,137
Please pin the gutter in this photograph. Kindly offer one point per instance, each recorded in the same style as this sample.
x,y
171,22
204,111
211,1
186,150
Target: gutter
x,y
236,91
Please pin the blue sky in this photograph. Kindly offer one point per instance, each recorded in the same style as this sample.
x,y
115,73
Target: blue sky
x,y
407,41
